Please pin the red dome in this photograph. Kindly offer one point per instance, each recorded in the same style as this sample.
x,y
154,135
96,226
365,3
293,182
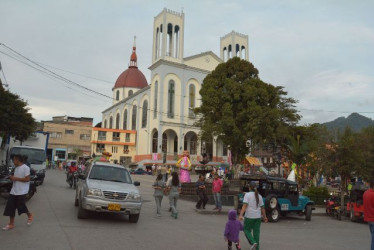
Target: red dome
x,y
131,78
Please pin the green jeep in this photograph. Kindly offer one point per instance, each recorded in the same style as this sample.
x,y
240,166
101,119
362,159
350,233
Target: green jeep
x,y
280,196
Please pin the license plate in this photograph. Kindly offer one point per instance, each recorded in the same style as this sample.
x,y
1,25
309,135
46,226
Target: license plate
x,y
114,207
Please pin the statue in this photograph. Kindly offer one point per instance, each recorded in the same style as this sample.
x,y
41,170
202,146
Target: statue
x,y
184,164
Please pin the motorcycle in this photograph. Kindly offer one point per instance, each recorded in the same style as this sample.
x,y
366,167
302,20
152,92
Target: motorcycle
x,y
6,185
330,205
73,179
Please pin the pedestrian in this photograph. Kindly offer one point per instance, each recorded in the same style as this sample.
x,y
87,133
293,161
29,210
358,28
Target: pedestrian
x,y
253,206
159,187
16,200
369,210
174,191
232,230
216,190
153,169
201,192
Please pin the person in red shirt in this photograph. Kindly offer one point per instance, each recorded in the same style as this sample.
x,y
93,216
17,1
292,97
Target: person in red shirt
x,y
216,190
369,210
72,167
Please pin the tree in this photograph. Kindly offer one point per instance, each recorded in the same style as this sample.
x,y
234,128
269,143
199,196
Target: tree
x,y
16,121
365,147
237,105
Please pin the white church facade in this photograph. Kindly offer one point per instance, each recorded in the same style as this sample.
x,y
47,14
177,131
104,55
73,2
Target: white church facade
x,y
159,114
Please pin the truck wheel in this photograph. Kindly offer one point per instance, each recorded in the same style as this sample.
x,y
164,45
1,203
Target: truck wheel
x,y
274,215
308,212
271,201
133,218
352,214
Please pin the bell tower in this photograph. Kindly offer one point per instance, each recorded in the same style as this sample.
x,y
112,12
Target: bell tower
x,y
234,44
168,36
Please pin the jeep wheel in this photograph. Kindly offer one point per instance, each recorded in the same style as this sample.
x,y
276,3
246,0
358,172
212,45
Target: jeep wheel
x,y
308,212
272,202
133,218
274,215
352,215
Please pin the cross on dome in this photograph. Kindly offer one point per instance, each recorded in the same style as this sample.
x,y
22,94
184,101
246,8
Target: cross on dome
x,y
133,58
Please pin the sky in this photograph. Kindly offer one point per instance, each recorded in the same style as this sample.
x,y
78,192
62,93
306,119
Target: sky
x,y
321,51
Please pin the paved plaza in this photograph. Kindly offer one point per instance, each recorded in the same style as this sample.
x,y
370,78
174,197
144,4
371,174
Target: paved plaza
x,y
56,226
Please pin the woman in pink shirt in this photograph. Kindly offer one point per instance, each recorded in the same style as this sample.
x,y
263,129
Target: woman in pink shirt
x,y
216,190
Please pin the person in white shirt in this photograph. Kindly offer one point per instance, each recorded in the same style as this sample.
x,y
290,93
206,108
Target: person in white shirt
x,y
21,184
253,206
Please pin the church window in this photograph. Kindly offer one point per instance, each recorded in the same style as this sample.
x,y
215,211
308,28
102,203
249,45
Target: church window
x,y
111,122
155,106
171,99
192,98
117,95
105,123
131,92
125,119
133,126
145,113
117,121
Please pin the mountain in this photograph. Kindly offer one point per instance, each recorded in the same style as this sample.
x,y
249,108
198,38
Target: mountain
x,y
355,121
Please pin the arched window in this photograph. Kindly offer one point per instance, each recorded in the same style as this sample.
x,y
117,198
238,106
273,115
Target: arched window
x,y
131,92
111,122
155,106
171,98
117,121
105,123
117,95
133,126
144,114
155,142
191,105
125,119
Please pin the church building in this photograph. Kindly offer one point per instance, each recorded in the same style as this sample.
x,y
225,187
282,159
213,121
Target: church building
x,y
158,116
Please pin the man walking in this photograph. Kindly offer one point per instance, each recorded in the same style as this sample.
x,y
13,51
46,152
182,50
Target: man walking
x,y
21,184
201,192
216,190
369,210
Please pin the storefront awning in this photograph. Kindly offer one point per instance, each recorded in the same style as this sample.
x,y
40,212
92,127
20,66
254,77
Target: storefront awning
x,y
253,161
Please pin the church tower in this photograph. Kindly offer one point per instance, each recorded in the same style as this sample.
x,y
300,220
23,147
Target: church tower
x,y
234,44
168,36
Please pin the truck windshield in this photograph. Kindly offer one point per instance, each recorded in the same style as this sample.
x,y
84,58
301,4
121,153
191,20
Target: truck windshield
x,y
34,156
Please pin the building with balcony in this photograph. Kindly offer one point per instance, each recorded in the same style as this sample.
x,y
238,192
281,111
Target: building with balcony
x,y
120,143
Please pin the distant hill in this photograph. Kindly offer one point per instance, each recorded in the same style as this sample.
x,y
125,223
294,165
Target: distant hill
x,y
355,121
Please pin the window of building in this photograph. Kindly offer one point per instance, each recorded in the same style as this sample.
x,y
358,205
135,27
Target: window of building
x,y
111,122
116,136
131,92
127,137
125,160
100,148
125,119
55,135
155,106
145,113
133,125
126,149
105,124
85,136
114,149
117,121
191,105
171,98
61,154
101,136
117,95
69,132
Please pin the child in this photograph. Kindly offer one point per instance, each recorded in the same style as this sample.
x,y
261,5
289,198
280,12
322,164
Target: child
x,y
232,230
159,187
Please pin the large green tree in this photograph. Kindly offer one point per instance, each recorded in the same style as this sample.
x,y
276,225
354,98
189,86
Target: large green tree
x,y
15,119
238,106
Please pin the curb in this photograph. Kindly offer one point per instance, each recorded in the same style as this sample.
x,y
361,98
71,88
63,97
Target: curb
x,y
225,212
